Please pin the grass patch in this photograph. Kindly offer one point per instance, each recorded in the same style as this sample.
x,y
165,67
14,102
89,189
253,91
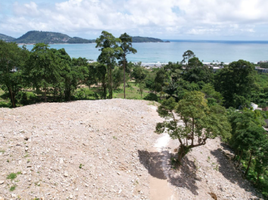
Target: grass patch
x,y
132,91
12,188
12,176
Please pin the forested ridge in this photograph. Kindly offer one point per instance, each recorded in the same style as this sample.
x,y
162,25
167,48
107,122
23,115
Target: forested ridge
x,y
33,37
210,103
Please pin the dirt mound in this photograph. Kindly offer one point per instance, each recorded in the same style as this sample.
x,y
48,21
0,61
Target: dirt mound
x,y
103,150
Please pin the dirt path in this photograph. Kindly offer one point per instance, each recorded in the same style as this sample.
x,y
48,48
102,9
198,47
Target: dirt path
x,y
159,187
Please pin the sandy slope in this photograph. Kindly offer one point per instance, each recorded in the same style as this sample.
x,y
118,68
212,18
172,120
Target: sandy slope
x,y
104,149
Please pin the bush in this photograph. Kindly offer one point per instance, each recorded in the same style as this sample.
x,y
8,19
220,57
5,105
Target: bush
x,y
26,98
84,94
151,97
12,176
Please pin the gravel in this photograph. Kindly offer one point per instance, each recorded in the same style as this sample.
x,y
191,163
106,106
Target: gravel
x,y
92,150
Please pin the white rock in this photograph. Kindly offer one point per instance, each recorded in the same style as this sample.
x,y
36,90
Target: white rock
x,y
66,174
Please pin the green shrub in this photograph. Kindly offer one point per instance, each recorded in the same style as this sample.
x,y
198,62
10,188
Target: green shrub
x,y
12,188
26,98
12,176
84,94
151,97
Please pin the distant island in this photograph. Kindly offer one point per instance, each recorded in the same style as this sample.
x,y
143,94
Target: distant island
x,y
138,39
33,37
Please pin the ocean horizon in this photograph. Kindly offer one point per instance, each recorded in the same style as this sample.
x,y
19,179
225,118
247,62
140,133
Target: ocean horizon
x,y
207,51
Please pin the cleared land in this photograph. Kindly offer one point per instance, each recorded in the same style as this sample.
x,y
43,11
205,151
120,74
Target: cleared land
x,y
105,149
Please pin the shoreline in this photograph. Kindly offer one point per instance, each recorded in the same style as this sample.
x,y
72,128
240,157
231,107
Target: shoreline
x,y
159,64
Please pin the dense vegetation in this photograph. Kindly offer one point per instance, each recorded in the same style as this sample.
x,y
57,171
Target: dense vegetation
x,y
209,103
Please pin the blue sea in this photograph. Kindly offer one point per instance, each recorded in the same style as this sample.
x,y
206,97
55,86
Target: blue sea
x,y
206,51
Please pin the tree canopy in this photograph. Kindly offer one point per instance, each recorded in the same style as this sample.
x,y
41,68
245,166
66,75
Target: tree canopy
x,y
236,82
200,121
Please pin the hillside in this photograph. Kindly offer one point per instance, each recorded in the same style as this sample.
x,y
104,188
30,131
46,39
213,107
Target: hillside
x,y
79,40
33,37
6,38
106,149
48,38
138,39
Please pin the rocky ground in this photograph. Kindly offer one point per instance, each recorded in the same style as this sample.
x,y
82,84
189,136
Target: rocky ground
x,y
106,149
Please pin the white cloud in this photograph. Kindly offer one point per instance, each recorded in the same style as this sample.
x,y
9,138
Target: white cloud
x,y
166,19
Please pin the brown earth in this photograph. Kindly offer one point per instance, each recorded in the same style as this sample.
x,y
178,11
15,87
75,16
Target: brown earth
x,y
106,149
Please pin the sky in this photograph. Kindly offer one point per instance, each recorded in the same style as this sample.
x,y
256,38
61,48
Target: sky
x,y
166,19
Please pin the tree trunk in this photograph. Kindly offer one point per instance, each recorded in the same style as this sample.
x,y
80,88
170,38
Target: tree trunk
x,y
61,96
192,143
111,83
45,93
181,153
104,88
55,93
241,154
249,162
67,94
124,76
236,154
12,98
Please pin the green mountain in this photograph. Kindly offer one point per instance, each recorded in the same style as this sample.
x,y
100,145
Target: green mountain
x,y
138,39
6,38
49,38
33,37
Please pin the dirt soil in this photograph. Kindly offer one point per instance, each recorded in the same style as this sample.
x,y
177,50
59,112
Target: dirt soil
x,y
106,149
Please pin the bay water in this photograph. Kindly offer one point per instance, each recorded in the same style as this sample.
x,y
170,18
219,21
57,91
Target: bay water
x,y
161,53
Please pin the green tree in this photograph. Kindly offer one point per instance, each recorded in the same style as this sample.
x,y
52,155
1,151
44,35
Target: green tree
x,y
211,95
159,81
97,73
248,136
139,73
200,121
73,72
261,165
187,55
43,67
109,47
236,82
118,77
12,61
63,85
127,48
184,87
197,72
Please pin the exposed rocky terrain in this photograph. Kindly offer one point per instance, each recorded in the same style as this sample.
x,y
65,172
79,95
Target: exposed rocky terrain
x,y
106,149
